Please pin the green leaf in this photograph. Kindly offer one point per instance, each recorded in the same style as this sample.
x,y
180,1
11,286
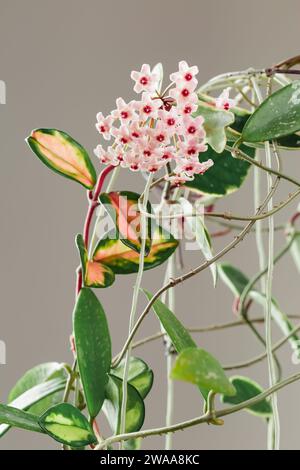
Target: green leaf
x,y
234,132
20,419
215,123
180,337
135,410
200,368
123,209
37,398
225,176
123,260
198,229
35,376
233,278
66,424
140,376
178,334
245,390
94,274
277,116
93,348
60,152
237,281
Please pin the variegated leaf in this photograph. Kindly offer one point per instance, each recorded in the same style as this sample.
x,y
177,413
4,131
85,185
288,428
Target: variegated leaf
x,y
123,208
122,260
63,154
94,274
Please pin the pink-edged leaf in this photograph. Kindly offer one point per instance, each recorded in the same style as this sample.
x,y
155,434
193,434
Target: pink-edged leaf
x,y
121,259
122,206
63,154
94,274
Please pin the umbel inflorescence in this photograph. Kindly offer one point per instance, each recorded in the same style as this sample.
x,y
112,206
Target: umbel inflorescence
x,y
161,129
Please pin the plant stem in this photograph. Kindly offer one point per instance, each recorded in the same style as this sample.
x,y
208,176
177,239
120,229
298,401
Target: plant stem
x,y
238,153
201,419
204,329
259,275
101,210
136,290
269,280
258,226
93,203
170,382
229,215
193,272
261,357
232,226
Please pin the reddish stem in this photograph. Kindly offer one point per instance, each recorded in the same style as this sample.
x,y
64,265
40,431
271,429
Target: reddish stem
x,y
94,203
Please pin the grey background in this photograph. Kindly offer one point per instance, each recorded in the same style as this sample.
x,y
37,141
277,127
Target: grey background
x,y
63,61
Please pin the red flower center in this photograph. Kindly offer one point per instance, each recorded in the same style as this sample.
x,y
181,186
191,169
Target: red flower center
x,y
102,129
160,138
187,109
136,135
185,92
147,153
134,166
147,109
171,122
124,140
191,151
192,130
189,168
124,115
143,80
226,106
188,76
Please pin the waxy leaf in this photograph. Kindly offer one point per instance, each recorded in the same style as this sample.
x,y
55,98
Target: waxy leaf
x,y
123,208
237,281
93,348
140,376
135,409
201,368
215,123
93,274
35,376
19,419
37,398
180,337
123,260
63,154
277,116
178,334
66,424
245,390
225,176
234,132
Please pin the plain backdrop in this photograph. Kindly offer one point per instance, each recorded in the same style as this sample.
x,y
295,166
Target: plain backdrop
x,y
62,62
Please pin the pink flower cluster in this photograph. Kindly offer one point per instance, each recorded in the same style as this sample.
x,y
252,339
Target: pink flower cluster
x,y
159,129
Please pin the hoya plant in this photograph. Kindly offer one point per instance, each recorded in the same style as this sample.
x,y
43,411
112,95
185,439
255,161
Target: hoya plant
x,y
191,145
